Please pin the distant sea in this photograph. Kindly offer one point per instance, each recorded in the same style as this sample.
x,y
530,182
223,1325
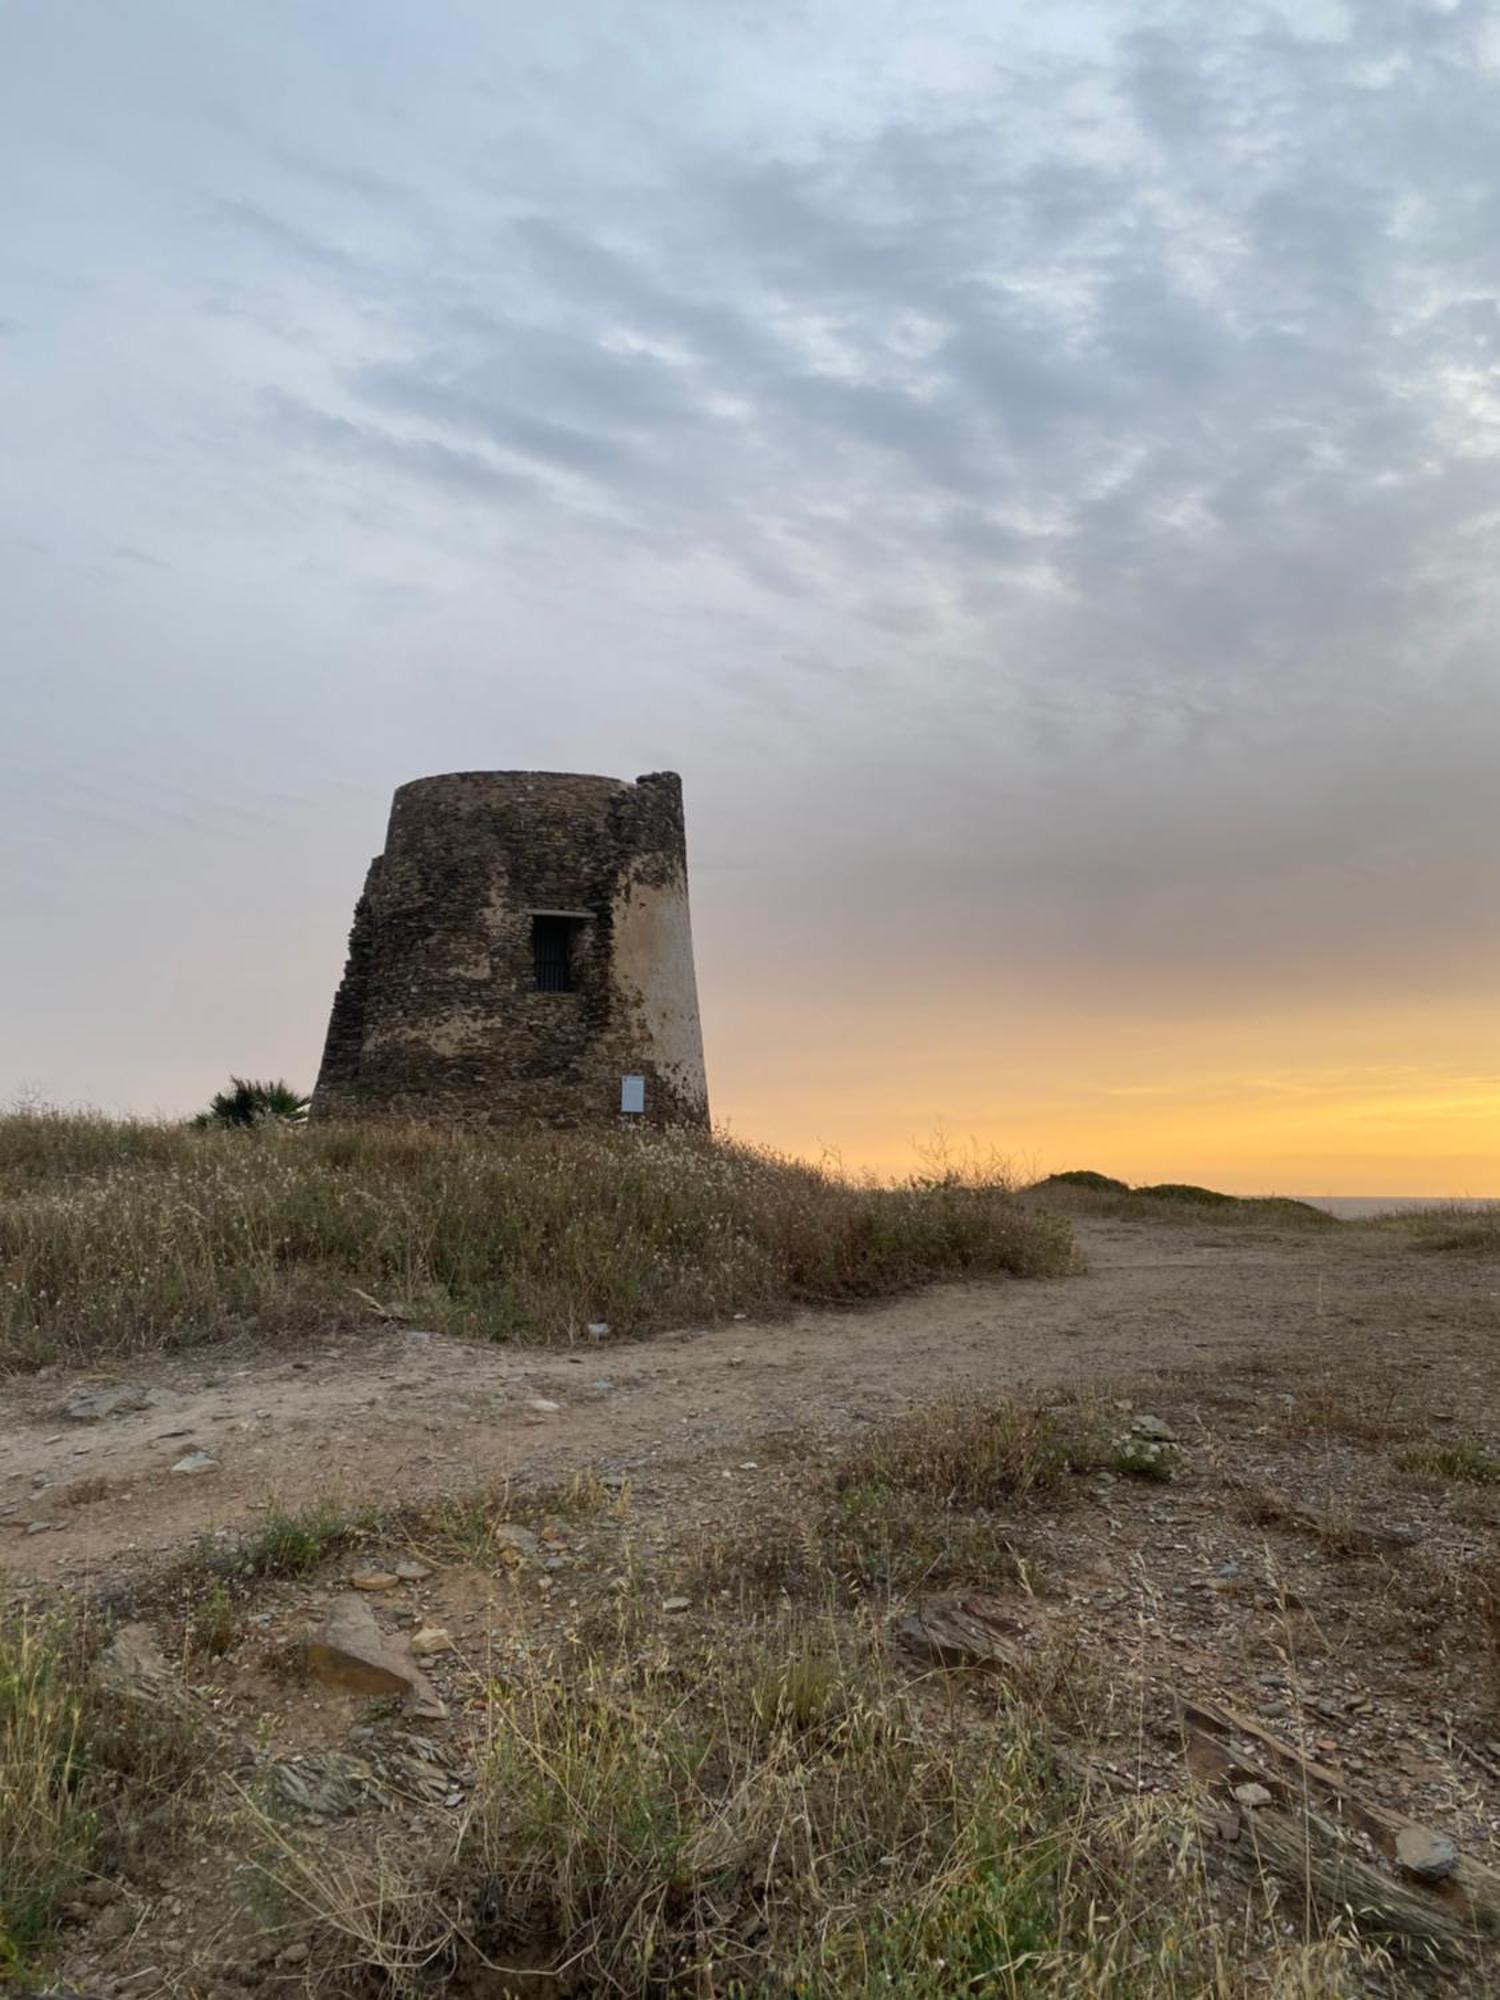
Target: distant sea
x,y
1351,1207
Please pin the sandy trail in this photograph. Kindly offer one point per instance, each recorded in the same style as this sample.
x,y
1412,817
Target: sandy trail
x,y
408,1415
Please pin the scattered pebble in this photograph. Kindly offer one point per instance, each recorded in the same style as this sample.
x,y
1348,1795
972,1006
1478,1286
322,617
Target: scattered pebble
x,y
1428,1856
431,1639
92,1406
1155,1428
374,1579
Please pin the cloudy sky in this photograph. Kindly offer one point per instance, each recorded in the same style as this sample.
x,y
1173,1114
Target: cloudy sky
x,y
1033,470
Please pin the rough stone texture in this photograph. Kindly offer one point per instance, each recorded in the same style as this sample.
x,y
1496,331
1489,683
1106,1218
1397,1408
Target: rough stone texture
x,y
1428,1856
439,1015
349,1651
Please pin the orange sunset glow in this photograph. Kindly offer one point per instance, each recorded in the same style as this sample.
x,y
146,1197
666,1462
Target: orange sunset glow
x,y
1031,473
1266,1105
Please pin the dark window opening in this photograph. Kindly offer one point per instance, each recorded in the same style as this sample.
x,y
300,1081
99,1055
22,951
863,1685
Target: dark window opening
x,y
552,953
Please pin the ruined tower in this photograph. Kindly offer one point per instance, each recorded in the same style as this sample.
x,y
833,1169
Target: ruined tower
x,y
522,955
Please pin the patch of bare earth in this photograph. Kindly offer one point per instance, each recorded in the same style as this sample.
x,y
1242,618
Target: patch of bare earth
x,y
1232,1550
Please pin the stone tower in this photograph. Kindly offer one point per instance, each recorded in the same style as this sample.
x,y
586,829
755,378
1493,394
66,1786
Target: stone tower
x,y
522,955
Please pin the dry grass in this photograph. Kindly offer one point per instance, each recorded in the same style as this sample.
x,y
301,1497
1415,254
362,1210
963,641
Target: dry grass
x,y
1472,1232
1338,1528
46,1830
755,1799
932,1499
1358,1417
1484,1605
789,1813
89,1776
764,1800
123,1237
968,1456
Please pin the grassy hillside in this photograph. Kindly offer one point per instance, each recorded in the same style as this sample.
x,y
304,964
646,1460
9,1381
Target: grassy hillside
x,y
118,1237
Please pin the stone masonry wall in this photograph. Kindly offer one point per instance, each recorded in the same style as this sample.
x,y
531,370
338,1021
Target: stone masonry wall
x,y
438,1013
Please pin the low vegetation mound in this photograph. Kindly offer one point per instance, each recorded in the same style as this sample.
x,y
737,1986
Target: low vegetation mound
x,y
1085,1177
119,1237
1186,1191
1083,1191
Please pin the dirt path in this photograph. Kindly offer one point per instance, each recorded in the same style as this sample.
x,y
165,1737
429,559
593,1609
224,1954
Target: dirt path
x,y
412,1415
1292,1565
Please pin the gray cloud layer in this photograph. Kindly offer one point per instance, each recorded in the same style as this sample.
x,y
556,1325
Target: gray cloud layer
x,y
1037,480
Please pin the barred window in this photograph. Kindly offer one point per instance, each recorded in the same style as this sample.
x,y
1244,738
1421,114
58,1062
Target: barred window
x,y
552,953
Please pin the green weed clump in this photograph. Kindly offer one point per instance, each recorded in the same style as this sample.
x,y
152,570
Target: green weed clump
x,y
1146,1458
789,1810
295,1542
1463,1459
121,1238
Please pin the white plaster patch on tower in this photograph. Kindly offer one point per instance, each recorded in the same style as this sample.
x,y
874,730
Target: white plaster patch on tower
x,y
653,966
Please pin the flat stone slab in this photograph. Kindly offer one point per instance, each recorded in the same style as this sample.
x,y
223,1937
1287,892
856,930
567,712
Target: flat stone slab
x,y
348,1650
92,1406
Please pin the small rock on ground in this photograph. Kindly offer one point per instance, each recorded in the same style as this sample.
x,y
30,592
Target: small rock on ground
x,y
349,1651
1428,1856
92,1406
1157,1429
197,1461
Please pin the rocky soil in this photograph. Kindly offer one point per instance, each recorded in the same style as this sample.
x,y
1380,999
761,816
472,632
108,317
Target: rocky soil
x,y
1288,1560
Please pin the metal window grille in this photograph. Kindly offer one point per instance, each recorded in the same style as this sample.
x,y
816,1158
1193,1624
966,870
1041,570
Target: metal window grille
x,y
552,953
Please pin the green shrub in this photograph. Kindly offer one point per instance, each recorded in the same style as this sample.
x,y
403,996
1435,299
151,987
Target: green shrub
x,y
247,1103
